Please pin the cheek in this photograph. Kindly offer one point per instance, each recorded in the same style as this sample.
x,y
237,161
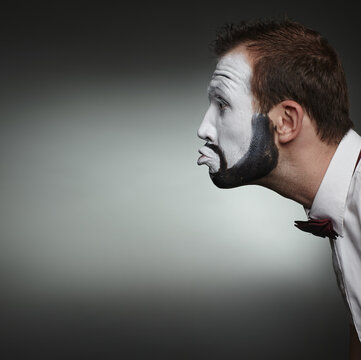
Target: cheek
x,y
235,138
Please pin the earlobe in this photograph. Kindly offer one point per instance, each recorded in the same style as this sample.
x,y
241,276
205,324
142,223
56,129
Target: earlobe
x,y
287,117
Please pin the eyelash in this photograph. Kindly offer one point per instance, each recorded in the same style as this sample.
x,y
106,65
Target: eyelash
x,y
222,104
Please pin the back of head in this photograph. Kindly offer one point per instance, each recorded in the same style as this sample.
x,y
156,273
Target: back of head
x,y
292,62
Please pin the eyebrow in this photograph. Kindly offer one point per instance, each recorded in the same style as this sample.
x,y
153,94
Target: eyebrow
x,y
214,90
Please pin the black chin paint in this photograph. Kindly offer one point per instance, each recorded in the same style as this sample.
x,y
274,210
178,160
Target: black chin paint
x,y
260,159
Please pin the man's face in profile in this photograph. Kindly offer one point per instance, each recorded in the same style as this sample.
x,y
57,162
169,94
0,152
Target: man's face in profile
x,y
240,144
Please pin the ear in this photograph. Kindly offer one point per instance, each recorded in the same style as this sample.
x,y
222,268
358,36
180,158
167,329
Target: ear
x,y
287,117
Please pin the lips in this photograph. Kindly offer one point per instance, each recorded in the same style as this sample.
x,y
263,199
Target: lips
x,y
202,159
206,155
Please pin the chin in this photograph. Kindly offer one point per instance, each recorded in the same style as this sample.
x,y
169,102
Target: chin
x,y
223,181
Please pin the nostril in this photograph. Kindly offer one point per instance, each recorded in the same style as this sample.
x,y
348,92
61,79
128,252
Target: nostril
x,y
205,133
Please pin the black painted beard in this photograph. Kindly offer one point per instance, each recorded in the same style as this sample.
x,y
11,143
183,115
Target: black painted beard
x,y
260,159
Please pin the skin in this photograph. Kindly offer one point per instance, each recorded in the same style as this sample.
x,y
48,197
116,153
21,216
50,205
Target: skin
x,y
240,146
278,159
280,150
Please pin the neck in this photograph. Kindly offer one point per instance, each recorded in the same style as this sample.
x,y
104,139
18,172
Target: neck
x,y
300,170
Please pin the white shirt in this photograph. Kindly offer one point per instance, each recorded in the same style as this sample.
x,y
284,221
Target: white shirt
x,y
339,199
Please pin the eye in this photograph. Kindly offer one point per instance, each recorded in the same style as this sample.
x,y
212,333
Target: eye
x,y
222,104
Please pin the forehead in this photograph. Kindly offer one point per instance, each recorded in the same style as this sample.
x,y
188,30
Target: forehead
x,y
231,71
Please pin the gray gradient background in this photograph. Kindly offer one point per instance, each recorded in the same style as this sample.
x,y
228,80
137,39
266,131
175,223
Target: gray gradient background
x,y
114,244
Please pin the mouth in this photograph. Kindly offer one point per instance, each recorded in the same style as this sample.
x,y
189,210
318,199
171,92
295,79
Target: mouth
x,y
207,155
202,159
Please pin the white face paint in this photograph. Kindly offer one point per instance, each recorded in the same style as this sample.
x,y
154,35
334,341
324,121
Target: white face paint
x,y
228,121
240,146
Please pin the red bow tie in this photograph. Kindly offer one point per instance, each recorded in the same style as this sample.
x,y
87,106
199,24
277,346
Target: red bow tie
x,y
322,227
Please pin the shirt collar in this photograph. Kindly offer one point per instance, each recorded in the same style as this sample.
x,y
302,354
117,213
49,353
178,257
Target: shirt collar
x,y
330,199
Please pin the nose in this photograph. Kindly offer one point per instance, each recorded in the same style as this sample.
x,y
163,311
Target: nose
x,y
207,130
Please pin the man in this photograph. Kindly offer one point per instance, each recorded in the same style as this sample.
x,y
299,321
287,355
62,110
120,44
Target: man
x,y
279,118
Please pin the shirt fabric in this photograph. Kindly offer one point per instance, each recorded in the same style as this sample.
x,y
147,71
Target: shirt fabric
x,y
339,199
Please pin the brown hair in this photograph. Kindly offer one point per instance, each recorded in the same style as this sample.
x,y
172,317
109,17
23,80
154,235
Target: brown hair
x,y
292,62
